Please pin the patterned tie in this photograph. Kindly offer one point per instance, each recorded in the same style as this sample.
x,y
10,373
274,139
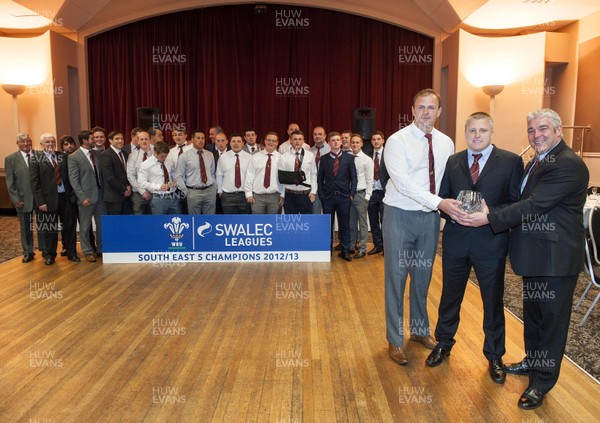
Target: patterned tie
x,y
297,163
94,167
202,168
336,164
180,151
238,174
431,165
122,159
267,181
318,155
474,169
165,173
376,166
57,177
145,156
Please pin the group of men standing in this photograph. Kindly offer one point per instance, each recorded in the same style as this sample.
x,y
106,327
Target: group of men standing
x,y
426,177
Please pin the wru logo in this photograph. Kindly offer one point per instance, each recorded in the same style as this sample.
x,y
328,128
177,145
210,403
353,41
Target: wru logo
x,y
176,228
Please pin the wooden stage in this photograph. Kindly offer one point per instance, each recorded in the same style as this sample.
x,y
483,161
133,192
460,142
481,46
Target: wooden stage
x,y
87,342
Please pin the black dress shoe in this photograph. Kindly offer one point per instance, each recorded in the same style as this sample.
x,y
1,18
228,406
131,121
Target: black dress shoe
x,y
49,261
437,356
27,258
360,254
531,399
63,253
375,250
520,368
346,256
497,371
74,258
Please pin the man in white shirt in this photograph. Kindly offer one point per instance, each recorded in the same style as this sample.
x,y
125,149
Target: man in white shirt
x,y
263,191
181,145
156,176
195,177
231,175
319,149
250,145
360,202
286,147
299,198
376,205
140,198
415,159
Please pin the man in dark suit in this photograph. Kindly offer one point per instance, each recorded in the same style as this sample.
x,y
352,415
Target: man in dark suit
x,y
117,189
545,247
375,208
496,174
16,167
337,182
51,189
85,177
133,146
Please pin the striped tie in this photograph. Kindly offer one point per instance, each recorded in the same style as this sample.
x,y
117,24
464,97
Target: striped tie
x,y
474,169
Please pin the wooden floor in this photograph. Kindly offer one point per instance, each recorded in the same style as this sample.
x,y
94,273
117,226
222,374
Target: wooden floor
x,y
243,343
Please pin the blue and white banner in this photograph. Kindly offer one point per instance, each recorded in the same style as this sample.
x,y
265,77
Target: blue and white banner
x,y
216,238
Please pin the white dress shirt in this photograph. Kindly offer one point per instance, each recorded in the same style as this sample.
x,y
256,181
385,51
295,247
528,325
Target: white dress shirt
x,y
407,163
255,175
151,176
288,162
325,149
187,171
174,152
364,173
134,161
286,147
226,171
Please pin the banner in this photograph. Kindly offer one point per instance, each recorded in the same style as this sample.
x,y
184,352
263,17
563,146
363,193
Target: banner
x,y
216,238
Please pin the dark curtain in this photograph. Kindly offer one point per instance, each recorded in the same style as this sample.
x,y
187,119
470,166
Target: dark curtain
x,y
229,66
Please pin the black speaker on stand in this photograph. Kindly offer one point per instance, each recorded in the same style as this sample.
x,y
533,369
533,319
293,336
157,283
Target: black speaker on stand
x,y
147,117
364,122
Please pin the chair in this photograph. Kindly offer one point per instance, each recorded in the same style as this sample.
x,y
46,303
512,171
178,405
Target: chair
x,y
589,190
592,267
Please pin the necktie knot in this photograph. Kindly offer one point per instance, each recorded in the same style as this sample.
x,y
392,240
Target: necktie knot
x,y
476,157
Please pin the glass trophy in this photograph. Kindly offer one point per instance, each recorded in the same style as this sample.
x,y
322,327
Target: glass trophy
x,y
471,201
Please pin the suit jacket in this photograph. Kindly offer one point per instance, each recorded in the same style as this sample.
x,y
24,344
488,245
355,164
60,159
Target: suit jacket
x,y
43,182
114,174
547,234
345,181
17,181
246,148
82,178
499,184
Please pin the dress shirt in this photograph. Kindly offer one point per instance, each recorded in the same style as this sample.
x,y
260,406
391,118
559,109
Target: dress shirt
x,y
325,149
25,156
364,173
134,161
187,172
407,163
286,147
174,153
226,171
287,162
377,183
151,176
485,155
255,176
61,187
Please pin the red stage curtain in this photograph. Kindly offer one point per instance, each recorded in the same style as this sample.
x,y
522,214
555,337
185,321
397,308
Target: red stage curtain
x,y
228,65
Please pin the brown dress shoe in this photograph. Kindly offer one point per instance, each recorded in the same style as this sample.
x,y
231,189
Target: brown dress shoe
x,y
397,354
90,257
428,341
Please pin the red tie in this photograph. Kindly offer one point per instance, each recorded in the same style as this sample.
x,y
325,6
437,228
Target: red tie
x,y
376,167
94,167
165,173
202,168
336,164
431,165
267,181
122,159
180,151
238,174
318,155
145,156
297,163
474,169
57,176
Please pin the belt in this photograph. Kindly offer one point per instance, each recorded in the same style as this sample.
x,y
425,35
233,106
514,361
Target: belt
x,y
293,191
199,188
361,190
